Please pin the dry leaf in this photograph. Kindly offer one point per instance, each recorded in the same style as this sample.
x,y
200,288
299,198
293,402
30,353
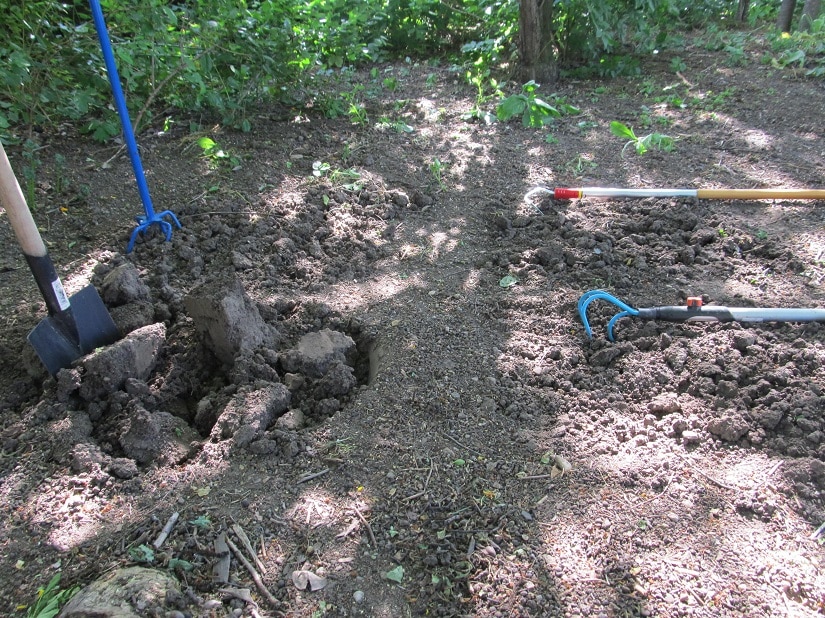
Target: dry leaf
x,y
302,578
244,594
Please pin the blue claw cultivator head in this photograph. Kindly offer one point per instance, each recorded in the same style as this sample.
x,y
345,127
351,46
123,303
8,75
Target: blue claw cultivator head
x,y
693,311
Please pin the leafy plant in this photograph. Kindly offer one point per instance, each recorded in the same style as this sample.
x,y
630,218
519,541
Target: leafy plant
x,y
32,163
214,153
437,171
580,165
320,168
50,599
60,181
487,88
644,143
534,111
801,51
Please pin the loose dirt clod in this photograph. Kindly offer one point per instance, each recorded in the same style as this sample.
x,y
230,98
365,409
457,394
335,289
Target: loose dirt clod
x,y
228,320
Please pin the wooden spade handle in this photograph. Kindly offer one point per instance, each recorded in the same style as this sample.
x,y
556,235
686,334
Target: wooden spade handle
x,y
11,197
761,194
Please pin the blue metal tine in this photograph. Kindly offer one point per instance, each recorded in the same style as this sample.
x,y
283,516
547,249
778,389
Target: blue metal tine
x,y
593,295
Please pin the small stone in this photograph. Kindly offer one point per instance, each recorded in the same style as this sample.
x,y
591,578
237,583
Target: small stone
x,y
729,427
666,403
358,596
690,437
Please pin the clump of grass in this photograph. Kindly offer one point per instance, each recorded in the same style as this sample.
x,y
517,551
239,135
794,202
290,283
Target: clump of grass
x,y
50,599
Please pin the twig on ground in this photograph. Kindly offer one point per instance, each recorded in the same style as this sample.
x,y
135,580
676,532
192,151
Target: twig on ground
x,y
660,494
426,485
534,477
817,532
714,481
236,528
263,546
782,596
255,575
348,530
367,524
170,523
309,477
694,468
464,446
768,475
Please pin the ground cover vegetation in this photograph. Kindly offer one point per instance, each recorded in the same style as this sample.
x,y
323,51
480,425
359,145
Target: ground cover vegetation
x,y
225,58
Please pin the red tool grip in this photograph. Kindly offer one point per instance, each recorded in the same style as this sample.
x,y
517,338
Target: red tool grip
x,y
566,194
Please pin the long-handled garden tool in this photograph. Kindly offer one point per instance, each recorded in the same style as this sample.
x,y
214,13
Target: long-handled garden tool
x,y
562,193
694,311
150,217
75,325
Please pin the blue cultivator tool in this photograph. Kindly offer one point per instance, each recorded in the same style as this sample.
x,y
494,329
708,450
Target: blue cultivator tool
x,y
694,311
150,217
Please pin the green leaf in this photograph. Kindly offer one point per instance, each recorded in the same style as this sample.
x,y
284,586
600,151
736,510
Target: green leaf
x,y
458,463
511,106
530,86
546,107
622,130
206,143
142,553
396,574
179,563
508,281
202,521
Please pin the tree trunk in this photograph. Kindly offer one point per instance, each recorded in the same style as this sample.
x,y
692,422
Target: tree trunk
x,y
536,50
809,14
783,22
742,11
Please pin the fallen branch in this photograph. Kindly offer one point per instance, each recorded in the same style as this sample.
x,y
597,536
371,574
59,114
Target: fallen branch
x,y
236,528
309,477
367,524
255,575
167,529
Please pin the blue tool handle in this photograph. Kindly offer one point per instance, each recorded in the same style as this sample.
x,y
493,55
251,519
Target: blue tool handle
x,y
122,110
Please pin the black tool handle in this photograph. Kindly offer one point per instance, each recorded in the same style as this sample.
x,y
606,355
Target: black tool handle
x,y
25,229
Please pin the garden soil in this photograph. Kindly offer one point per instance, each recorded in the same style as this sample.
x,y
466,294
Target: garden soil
x,y
361,351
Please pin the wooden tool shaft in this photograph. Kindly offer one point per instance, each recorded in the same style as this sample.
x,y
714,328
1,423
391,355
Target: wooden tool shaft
x,y
761,194
11,196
